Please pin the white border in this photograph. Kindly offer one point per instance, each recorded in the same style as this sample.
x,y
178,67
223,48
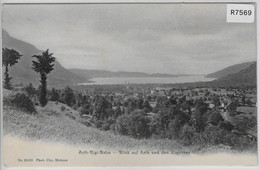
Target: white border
x,y
126,1
257,16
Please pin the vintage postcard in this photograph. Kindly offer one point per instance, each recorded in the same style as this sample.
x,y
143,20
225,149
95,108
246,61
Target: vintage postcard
x,y
129,84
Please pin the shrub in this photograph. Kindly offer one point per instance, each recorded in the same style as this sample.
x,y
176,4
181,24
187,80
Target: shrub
x,y
107,124
113,127
54,95
30,90
174,128
134,124
121,127
212,135
245,123
186,135
6,101
62,108
146,107
215,117
216,136
226,125
23,102
239,142
98,123
68,96
85,109
200,122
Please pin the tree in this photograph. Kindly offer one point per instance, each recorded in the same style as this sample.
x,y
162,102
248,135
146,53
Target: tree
x,y
102,108
146,106
216,100
243,100
140,103
87,109
43,66
215,117
118,112
134,124
201,109
68,96
81,100
54,95
248,102
10,58
31,91
175,127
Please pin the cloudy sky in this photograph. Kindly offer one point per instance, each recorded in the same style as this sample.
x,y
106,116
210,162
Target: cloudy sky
x,y
165,38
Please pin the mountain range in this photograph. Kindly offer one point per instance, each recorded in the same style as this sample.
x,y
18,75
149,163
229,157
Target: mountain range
x,y
89,74
244,77
230,70
240,74
22,72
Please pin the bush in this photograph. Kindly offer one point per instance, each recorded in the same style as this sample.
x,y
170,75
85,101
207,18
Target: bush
x,y
98,123
226,125
121,127
216,136
134,124
30,90
186,135
174,128
239,142
22,102
107,124
215,117
212,135
113,127
69,97
245,123
62,108
54,95
86,109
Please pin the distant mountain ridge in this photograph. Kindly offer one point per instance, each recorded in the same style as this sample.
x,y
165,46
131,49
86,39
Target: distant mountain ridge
x,y
237,75
89,74
22,72
230,70
245,77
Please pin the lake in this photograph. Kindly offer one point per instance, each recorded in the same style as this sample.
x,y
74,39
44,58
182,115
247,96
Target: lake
x,y
145,80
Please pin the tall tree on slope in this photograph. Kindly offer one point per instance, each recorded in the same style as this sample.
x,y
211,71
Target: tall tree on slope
x,y
10,58
43,66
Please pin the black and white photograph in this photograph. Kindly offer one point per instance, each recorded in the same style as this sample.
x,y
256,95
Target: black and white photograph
x,y
129,84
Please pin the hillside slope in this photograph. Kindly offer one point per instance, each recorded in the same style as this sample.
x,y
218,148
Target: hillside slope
x,y
230,70
246,77
22,72
51,124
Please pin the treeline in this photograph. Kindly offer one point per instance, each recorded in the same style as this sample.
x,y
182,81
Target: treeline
x,y
190,122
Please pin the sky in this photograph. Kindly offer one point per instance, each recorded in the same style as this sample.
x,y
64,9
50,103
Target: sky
x,y
151,38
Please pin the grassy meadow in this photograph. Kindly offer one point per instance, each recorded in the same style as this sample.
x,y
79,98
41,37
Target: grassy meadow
x,y
58,127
